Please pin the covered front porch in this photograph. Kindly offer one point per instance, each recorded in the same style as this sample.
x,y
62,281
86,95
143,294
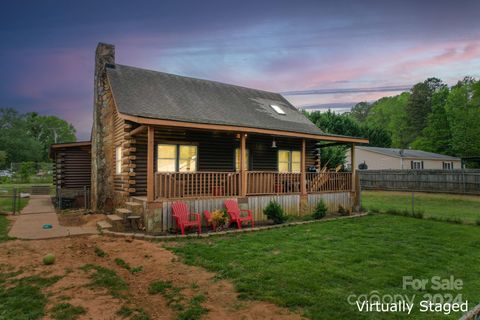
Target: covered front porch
x,y
168,163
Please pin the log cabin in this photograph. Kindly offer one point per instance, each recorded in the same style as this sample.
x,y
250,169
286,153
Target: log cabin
x,y
159,137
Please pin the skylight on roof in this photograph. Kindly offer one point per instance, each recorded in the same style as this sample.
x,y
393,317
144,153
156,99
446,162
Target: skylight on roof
x,y
277,109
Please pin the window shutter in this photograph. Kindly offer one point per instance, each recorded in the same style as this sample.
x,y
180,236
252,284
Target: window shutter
x,y
422,164
411,164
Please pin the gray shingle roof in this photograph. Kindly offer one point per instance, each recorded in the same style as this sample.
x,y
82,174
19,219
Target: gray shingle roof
x,y
158,95
408,153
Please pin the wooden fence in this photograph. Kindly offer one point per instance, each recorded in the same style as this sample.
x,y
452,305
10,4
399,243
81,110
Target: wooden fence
x,y
448,181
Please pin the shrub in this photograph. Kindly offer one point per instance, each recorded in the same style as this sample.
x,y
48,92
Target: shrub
x,y
274,212
219,218
478,222
343,211
320,210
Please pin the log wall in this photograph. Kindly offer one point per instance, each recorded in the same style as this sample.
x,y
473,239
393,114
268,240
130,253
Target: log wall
x,y
72,167
216,151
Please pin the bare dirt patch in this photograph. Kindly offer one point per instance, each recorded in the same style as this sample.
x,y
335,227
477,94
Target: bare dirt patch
x,y
148,262
77,218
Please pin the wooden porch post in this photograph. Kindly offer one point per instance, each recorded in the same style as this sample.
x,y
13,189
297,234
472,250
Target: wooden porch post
x,y
243,171
352,161
150,165
303,182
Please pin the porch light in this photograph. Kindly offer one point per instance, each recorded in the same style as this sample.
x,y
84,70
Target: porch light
x,y
274,143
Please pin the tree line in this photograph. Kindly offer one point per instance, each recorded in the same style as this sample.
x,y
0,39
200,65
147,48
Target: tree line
x,y
27,137
432,117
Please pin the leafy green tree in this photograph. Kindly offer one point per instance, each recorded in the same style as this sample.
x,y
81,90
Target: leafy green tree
x,y
49,130
27,137
389,114
27,169
3,159
437,135
377,136
419,106
331,122
360,111
463,113
15,140
345,124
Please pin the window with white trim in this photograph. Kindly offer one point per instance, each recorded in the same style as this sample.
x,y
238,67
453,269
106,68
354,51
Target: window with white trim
x,y
237,159
447,165
118,160
188,158
176,158
417,165
289,161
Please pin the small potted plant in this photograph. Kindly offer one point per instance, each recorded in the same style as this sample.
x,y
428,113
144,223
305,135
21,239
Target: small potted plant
x,y
219,220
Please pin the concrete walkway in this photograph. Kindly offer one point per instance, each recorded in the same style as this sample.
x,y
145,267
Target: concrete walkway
x,y
40,211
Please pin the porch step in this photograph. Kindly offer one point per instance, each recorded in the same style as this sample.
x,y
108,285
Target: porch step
x,y
116,222
103,225
123,212
114,217
133,204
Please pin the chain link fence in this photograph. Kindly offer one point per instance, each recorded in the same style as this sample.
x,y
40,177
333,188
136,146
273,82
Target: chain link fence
x,y
72,198
14,197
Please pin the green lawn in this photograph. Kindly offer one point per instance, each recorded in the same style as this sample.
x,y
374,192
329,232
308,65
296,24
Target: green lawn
x,y
466,208
314,268
6,204
4,224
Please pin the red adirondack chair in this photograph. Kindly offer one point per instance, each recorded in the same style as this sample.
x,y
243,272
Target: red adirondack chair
x,y
182,217
234,213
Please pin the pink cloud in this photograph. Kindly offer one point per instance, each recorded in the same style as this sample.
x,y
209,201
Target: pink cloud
x,y
449,55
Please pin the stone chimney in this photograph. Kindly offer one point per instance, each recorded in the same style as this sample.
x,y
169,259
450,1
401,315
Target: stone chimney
x,y
104,55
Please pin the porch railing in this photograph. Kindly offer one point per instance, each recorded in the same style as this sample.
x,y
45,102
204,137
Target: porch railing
x,y
196,184
264,182
328,182
227,184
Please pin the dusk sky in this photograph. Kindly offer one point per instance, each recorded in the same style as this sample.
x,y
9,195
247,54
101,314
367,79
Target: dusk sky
x,y
312,51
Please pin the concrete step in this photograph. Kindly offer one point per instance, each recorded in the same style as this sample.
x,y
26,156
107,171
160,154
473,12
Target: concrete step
x,y
133,204
133,217
117,222
103,225
114,218
123,211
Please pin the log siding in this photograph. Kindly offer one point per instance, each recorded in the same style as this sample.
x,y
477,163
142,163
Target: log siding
x,y
71,166
216,151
